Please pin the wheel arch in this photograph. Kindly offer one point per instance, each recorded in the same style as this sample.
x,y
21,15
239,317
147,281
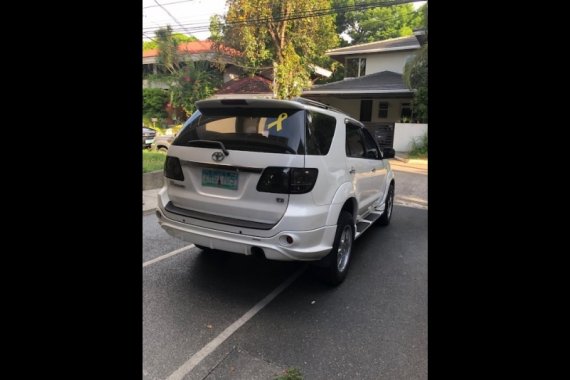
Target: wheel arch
x,y
344,199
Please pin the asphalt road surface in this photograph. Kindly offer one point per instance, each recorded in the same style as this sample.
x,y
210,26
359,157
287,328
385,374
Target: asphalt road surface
x,y
373,326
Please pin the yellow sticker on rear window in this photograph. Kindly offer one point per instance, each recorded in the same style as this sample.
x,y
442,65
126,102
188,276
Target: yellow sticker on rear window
x,y
277,123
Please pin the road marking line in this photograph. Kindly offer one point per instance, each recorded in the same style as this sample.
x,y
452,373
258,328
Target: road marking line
x,y
217,341
147,263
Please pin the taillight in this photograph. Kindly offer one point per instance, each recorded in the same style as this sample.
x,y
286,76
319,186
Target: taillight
x,y
287,180
172,168
303,180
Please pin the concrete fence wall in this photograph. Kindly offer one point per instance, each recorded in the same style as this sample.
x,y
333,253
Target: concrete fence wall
x,y
404,133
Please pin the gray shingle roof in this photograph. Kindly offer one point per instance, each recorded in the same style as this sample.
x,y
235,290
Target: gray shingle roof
x,y
377,83
393,44
408,42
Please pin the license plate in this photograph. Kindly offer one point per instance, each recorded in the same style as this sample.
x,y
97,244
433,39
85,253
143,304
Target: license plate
x,y
148,141
222,179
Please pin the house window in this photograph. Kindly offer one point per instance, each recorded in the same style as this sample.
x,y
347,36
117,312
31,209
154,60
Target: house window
x,y
383,110
406,113
355,67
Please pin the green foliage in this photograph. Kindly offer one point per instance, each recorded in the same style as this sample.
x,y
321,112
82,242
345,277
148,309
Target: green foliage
x,y
153,161
168,56
419,147
154,102
290,75
188,81
379,23
291,374
195,81
288,45
148,45
416,76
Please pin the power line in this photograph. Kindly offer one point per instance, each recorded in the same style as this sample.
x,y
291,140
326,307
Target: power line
x,y
199,29
203,27
171,16
173,2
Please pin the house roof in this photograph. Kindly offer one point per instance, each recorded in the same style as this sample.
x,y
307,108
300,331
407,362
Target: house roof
x,y
384,82
248,85
195,47
392,44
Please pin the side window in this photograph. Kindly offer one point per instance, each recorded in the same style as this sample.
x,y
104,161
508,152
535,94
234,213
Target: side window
x,y
406,113
320,132
372,151
383,110
354,142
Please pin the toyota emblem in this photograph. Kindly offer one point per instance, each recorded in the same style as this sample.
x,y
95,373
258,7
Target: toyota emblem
x,y
218,156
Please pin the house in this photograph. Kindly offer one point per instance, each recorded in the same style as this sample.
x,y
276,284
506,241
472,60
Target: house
x,y
256,86
193,51
373,90
259,85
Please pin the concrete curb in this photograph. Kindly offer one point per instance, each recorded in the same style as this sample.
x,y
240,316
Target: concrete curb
x,y
153,180
411,160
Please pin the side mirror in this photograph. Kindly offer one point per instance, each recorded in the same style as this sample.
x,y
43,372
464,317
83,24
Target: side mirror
x,y
372,153
388,153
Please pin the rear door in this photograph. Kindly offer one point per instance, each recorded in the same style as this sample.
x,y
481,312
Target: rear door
x,y
360,168
223,152
374,158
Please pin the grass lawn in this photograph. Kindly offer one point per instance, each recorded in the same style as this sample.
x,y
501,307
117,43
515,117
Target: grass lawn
x,y
419,147
153,161
421,156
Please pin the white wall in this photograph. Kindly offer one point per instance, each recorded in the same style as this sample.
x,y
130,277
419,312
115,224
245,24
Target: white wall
x,y
154,84
404,133
395,61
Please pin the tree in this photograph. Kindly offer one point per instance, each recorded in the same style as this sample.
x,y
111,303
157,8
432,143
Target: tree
x,y
378,23
194,81
271,33
154,101
167,45
147,45
416,75
188,81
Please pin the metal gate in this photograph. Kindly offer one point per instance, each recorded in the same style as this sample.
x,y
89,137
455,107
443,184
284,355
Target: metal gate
x,y
384,134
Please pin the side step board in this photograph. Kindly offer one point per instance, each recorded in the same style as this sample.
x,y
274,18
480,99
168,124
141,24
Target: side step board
x,y
365,223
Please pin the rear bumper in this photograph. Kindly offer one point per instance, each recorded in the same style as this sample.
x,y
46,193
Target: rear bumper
x,y
307,245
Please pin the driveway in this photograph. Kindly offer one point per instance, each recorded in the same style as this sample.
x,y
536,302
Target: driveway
x,y
411,182
205,315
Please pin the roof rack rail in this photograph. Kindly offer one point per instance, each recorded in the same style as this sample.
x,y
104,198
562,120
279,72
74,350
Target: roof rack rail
x,y
314,103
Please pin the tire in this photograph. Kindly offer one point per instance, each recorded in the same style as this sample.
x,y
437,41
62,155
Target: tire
x,y
384,220
163,149
337,261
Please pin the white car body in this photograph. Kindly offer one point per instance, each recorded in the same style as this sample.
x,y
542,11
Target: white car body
x,y
280,226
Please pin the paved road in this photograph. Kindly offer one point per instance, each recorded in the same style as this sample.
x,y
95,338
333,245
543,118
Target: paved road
x,y
411,183
373,326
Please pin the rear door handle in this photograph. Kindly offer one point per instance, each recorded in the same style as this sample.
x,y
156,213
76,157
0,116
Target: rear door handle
x,y
352,171
374,170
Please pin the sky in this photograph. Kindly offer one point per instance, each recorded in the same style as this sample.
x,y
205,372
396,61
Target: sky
x,y
190,17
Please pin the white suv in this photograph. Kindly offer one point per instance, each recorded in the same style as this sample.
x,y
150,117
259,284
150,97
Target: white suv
x,y
286,179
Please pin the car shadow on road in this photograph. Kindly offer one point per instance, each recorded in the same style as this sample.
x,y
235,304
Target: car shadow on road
x,y
223,273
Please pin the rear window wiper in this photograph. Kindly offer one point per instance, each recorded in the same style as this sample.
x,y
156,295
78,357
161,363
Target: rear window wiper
x,y
207,143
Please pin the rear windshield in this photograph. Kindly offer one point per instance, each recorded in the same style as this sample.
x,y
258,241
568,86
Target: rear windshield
x,y
257,130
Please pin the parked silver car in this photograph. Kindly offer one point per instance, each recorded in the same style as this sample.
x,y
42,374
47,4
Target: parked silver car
x,y
148,137
162,143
